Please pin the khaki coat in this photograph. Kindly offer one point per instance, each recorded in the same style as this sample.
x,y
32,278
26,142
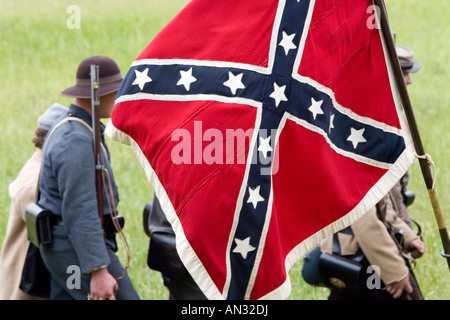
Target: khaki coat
x,y
371,235
22,191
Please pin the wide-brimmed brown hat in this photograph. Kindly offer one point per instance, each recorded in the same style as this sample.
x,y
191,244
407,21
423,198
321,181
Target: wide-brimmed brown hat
x,y
110,78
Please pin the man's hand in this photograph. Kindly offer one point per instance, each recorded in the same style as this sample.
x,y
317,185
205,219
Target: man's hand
x,y
396,288
103,285
417,248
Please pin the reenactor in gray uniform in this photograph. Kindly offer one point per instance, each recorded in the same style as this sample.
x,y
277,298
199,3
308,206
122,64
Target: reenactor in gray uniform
x,y
67,187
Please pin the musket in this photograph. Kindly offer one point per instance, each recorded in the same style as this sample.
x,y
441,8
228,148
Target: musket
x,y
95,101
424,160
99,184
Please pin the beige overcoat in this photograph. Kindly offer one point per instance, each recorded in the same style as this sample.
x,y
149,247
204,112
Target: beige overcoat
x,y
371,235
22,191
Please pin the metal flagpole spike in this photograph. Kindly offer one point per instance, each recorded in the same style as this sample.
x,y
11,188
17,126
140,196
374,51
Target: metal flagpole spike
x,y
424,159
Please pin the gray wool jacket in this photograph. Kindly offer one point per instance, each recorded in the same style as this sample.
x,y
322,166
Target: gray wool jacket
x,y
67,189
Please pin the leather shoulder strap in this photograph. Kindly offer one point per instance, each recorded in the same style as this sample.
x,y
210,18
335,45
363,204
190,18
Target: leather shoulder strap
x,y
74,119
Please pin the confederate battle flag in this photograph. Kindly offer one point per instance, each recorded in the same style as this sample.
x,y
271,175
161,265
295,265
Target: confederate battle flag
x,y
264,126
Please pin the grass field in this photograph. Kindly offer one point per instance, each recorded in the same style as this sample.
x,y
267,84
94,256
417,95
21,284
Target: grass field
x,y
39,54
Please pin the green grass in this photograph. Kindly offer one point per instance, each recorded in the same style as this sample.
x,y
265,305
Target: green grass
x,y
39,56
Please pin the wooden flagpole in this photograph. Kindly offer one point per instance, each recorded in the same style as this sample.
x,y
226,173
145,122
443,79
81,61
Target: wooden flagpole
x,y
423,159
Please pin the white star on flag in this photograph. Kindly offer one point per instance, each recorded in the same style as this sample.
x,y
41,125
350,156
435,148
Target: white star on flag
x,y
234,82
287,42
264,146
278,94
141,78
356,137
186,79
315,107
254,196
243,247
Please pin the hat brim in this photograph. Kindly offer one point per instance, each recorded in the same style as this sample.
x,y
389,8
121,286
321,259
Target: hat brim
x,y
414,68
84,92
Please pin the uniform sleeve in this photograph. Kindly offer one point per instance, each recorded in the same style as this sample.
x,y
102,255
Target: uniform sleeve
x,y
408,234
75,171
379,247
399,223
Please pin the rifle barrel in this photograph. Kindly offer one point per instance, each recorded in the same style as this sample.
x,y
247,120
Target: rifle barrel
x,y
95,101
